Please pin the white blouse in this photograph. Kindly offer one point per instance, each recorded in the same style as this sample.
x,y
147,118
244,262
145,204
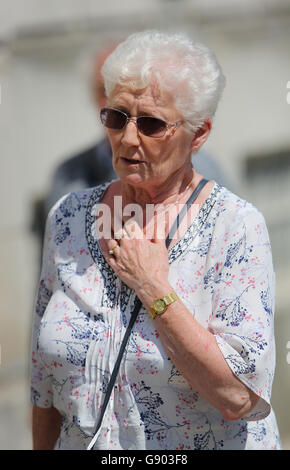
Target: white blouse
x,y
221,269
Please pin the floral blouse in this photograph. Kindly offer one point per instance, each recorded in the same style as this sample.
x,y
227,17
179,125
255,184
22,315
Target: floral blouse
x,y
221,269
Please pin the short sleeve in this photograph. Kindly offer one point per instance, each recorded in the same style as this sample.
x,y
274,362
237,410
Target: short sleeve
x,y
40,379
243,290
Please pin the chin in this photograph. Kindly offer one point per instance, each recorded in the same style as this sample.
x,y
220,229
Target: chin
x,y
131,176
132,179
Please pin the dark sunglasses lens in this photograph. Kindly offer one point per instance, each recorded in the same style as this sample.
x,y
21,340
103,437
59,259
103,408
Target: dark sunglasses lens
x,y
113,119
151,126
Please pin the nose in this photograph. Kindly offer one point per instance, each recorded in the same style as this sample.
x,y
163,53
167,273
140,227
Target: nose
x,y
131,133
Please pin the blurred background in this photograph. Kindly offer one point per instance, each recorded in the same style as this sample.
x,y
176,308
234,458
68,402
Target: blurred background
x,y
47,114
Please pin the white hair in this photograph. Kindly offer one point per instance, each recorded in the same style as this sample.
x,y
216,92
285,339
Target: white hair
x,y
188,70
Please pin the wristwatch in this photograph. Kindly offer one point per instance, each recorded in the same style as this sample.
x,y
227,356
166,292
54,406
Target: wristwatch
x,y
160,305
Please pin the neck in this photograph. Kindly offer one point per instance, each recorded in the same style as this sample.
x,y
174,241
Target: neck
x,y
170,191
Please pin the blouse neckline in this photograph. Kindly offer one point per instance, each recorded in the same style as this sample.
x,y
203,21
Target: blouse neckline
x,y
174,252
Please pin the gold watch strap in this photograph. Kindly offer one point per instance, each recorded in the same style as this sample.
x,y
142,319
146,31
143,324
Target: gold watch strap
x,y
167,300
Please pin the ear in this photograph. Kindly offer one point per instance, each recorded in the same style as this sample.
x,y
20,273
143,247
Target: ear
x,y
201,134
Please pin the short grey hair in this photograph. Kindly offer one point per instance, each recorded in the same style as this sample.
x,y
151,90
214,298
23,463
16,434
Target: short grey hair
x,y
188,70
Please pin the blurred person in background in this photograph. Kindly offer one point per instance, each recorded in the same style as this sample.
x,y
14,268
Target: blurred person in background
x,y
93,165
86,169
199,365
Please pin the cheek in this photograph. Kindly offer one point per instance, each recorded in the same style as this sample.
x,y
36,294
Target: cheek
x,y
164,154
157,151
152,151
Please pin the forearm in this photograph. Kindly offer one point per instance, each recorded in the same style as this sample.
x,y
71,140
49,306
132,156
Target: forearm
x,y
45,427
194,351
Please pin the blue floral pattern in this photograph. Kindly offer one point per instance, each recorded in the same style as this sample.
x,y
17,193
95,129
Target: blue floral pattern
x,y
222,271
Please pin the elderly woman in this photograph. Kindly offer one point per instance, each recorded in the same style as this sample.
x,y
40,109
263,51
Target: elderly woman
x,y
198,367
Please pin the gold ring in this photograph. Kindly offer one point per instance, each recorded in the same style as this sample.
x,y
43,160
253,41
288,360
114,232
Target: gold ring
x,y
111,251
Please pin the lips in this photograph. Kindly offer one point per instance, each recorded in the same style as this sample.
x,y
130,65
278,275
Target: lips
x,y
130,161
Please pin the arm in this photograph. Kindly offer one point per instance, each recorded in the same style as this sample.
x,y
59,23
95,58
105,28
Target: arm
x,y
45,418
45,427
191,347
227,364
196,355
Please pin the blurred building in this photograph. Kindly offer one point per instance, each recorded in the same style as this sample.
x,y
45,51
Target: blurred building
x,y
46,114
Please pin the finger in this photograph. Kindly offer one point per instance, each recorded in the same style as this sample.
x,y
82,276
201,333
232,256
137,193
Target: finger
x,y
111,260
113,247
114,262
114,251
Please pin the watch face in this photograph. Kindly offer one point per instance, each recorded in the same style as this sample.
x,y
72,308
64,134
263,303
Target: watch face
x,y
159,305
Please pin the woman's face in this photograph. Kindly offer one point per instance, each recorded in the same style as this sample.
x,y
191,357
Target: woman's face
x,y
141,160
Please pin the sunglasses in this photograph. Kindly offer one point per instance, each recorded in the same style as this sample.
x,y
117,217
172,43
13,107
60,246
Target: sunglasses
x,y
147,125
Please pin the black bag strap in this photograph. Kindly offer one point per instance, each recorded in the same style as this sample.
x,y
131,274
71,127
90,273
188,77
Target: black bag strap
x,y
138,305
184,210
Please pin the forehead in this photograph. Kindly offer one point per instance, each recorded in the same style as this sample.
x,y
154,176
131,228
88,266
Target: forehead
x,y
152,97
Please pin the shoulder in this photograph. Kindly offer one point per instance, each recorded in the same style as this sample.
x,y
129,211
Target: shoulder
x,y
71,203
69,216
76,203
240,230
234,210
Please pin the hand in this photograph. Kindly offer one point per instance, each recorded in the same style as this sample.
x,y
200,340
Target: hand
x,y
140,263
